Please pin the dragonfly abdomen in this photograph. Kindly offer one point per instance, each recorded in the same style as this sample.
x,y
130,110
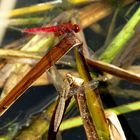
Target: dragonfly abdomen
x,y
42,29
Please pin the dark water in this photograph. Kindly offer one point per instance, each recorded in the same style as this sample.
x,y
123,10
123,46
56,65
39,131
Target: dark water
x,y
33,101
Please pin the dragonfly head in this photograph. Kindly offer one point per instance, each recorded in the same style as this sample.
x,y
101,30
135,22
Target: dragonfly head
x,y
76,28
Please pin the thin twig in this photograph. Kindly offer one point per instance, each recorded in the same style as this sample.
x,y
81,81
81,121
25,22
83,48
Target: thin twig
x,y
87,121
111,27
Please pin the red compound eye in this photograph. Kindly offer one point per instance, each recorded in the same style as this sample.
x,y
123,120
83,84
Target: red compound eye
x,y
76,28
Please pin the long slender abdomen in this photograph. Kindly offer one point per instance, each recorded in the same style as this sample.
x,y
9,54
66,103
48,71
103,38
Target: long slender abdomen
x,y
42,29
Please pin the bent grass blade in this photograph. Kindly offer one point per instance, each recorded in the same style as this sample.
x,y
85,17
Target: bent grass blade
x,y
114,70
67,43
92,98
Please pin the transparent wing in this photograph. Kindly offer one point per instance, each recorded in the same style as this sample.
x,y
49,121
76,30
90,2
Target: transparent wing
x,y
77,84
62,85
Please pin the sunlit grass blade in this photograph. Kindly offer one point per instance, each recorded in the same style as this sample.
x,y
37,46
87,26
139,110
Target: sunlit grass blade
x,y
81,1
27,21
5,53
121,39
92,99
41,7
30,9
126,108
119,110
